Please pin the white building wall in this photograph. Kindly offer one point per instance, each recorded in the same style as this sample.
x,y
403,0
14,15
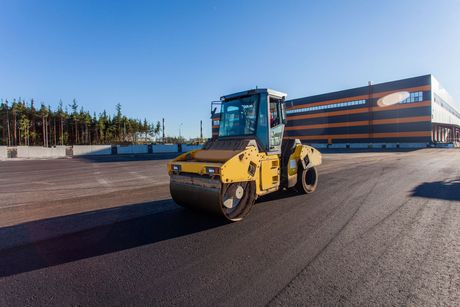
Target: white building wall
x,y
442,115
32,152
444,108
88,150
3,152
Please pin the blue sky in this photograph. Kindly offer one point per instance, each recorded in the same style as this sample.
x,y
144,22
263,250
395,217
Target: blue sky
x,y
171,58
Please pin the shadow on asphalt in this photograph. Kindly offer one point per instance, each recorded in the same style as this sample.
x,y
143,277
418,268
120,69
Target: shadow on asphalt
x,y
128,157
100,240
447,190
277,196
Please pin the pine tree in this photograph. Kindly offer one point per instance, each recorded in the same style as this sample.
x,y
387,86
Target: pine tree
x,y
61,114
23,124
74,107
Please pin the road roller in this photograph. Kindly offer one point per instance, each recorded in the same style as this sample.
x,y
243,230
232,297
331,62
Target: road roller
x,y
249,158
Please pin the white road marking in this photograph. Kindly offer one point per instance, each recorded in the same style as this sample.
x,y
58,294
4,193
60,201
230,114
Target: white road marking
x,y
103,182
41,182
139,176
12,206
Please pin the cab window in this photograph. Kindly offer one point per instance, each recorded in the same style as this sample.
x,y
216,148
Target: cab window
x,y
274,113
276,127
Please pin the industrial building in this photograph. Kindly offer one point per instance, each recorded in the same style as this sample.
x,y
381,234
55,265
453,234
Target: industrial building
x,y
414,112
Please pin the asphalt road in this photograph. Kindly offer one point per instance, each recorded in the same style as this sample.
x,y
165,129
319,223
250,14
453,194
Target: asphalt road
x,y
382,229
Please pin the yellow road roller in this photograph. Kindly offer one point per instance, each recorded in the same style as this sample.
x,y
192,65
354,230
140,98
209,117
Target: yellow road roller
x,y
248,159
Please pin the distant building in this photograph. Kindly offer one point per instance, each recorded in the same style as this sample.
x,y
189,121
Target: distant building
x,y
414,112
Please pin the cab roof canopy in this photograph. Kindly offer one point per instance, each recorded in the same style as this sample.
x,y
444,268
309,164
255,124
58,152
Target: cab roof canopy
x,y
253,92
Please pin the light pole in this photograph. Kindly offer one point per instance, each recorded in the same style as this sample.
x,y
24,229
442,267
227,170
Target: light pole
x,y
180,126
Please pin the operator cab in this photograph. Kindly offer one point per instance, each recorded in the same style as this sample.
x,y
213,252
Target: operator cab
x,y
258,114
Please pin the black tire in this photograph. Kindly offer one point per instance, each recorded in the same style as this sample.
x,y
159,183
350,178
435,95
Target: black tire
x,y
307,180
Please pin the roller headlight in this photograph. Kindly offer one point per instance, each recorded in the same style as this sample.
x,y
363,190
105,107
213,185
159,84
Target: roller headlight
x,y
211,171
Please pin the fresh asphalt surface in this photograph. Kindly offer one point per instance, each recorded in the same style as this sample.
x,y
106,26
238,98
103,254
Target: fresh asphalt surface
x,y
382,229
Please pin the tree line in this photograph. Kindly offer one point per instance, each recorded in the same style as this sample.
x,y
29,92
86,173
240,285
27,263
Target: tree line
x,y
23,123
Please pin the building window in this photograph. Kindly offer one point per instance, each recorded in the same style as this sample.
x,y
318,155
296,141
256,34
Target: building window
x,y
328,106
414,97
215,123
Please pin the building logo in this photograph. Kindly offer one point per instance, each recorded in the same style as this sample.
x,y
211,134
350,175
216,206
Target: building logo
x,y
392,99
